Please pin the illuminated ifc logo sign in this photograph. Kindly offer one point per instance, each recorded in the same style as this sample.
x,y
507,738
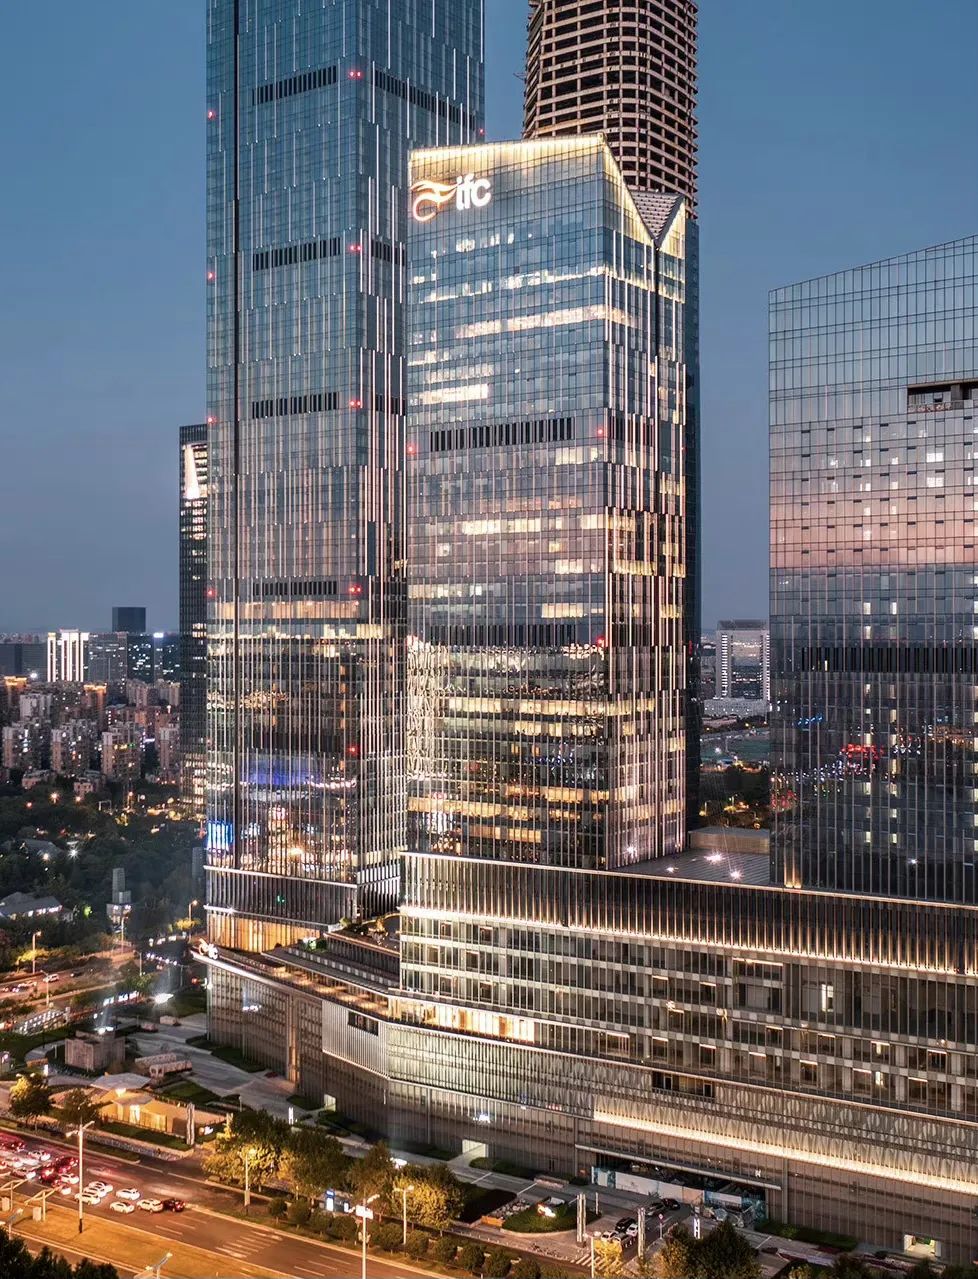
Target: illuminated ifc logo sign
x,y
429,197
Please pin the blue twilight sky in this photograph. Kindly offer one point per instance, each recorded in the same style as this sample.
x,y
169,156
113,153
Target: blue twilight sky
x,y
831,134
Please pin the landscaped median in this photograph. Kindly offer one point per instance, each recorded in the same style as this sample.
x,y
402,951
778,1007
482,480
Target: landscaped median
x,y
130,1248
445,1253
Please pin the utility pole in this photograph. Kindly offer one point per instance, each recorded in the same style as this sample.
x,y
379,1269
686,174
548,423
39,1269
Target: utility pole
x,y
404,1194
365,1213
81,1173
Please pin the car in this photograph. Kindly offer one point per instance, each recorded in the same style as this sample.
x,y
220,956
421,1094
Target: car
x,y
150,1205
672,1204
64,1190
632,1230
128,1193
86,1198
173,1205
68,1178
105,1186
606,1234
51,977
654,1205
625,1222
119,1205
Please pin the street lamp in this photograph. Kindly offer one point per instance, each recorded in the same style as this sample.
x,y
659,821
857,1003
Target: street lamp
x,y
249,1154
81,1172
34,937
365,1213
404,1194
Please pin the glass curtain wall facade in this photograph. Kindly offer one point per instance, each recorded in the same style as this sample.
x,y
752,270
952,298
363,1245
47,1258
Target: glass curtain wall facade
x,y
546,509
874,592
627,69
312,109
192,480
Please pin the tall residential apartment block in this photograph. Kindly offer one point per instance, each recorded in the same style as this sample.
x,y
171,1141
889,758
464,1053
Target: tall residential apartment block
x,y
193,487
312,110
874,594
67,657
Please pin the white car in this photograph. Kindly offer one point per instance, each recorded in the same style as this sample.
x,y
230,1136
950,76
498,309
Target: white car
x,y
150,1205
132,1194
98,1191
86,1198
105,1186
119,1205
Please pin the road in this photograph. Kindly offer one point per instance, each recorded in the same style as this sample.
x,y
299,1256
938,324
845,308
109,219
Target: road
x,y
202,1225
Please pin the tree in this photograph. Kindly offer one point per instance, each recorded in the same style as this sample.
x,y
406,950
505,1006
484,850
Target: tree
x,y
434,1198
470,1257
675,1259
16,1262
725,1254
76,1107
607,1257
312,1161
526,1268
30,1097
255,1133
417,1244
386,1237
496,1264
849,1267
298,1212
443,1251
373,1174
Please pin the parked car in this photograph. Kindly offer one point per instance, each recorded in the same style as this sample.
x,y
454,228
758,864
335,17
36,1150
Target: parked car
x,y
128,1193
150,1205
120,1205
671,1204
173,1205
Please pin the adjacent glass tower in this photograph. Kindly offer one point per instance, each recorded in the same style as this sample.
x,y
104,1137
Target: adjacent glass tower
x,y
193,480
312,109
546,507
874,592
627,69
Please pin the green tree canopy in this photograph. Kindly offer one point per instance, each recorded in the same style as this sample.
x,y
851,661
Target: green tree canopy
x,y
30,1097
434,1195
373,1174
313,1161
254,1134
77,1107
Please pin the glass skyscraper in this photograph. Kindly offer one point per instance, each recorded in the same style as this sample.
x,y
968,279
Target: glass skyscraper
x,y
545,508
312,109
874,592
192,480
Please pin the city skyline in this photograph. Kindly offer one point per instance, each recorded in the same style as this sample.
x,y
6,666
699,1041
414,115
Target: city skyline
x,y
154,214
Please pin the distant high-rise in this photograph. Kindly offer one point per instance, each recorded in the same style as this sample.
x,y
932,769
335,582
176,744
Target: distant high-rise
x,y
743,659
312,110
623,68
108,657
67,657
874,596
132,620
193,479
